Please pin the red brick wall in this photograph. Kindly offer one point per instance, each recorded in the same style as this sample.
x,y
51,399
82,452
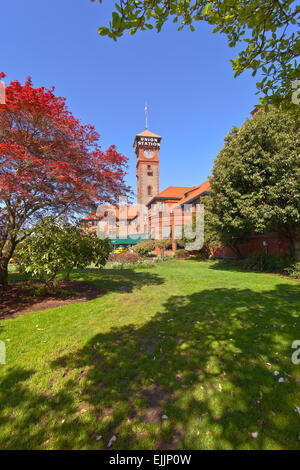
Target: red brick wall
x,y
145,178
276,246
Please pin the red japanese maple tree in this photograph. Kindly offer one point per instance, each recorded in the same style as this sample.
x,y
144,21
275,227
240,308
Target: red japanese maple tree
x,y
49,164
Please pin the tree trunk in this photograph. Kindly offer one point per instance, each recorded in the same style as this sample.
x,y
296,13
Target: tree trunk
x,y
5,256
3,271
297,243
67,276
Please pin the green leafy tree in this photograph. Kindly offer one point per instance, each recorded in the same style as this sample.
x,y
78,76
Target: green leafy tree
x,y
256,179
163,245
267,30
144,248
212,238
57,247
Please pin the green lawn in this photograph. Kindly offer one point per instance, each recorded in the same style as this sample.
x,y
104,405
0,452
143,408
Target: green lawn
x,y
188,340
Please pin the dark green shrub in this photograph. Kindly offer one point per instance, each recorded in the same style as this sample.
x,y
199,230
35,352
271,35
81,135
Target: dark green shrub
x,y
56,246
164,244
182,254
144,248
277,264
205,252
40,291
293,270
265,263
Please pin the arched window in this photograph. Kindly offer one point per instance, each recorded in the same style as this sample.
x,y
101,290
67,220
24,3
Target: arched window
x,y
149,190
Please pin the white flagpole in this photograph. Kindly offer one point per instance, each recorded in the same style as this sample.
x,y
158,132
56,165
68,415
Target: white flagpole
x,y
146,115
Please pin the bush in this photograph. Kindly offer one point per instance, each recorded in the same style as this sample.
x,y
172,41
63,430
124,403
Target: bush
x,y
144,248
205,253
180,243
125,257
265,263
56,246
293,270
164,244
182,254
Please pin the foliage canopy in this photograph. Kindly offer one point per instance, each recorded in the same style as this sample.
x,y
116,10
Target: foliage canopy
x,y
265,32
56,246
256,178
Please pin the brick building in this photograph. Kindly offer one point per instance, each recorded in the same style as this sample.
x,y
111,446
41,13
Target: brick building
x,y
161,215
153,216
146,146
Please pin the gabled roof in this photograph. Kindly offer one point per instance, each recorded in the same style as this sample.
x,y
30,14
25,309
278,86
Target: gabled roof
x,y
173,193
189,196
147,133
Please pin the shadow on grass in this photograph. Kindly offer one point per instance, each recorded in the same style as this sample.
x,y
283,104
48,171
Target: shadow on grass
x,y
226,265
232,265
221,264
118,280
207,361
235,266
108,279
14,299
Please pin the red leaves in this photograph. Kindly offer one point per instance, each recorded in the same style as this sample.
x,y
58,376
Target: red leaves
x,y
48,159
2,75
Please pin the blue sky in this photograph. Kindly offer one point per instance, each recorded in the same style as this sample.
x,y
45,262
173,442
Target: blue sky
x,y
185,77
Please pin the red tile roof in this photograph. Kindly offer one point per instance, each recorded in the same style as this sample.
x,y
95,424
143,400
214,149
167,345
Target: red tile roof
x,y
194,193
147,133
172,192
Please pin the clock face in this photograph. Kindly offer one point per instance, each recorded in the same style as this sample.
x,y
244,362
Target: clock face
x,y
148,153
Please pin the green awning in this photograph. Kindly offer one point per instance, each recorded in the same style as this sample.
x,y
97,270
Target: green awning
x,y
128,240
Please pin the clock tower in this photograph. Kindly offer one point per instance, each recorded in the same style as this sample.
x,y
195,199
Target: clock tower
x,y
146,146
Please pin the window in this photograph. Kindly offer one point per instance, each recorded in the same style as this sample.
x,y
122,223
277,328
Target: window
x,y
178,232
166,231
149,190
162,207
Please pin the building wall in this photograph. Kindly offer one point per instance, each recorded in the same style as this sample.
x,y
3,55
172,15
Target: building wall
x,y
276,245
146,179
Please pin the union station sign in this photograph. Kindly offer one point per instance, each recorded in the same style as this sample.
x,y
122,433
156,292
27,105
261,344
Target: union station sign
x,y
148,141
